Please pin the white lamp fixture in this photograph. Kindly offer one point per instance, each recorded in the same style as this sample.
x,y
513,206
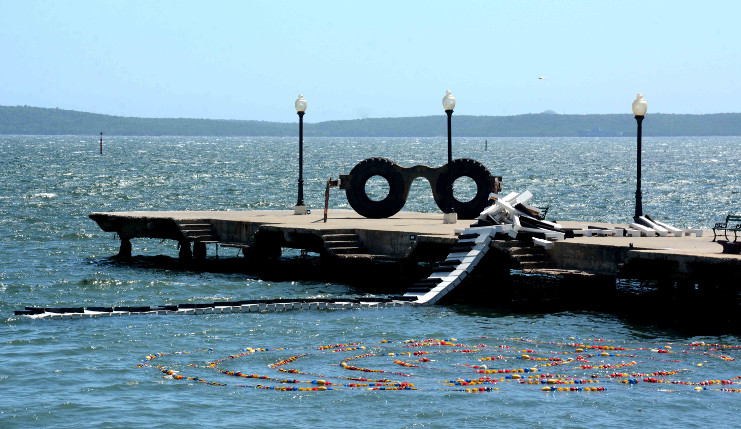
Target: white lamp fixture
x,y
300,104
639,106
448,101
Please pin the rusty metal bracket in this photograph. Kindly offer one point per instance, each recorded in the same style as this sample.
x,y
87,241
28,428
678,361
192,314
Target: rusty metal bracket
x,y
330,184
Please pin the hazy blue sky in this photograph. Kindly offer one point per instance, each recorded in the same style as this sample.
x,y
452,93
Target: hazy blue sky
x,y
352,59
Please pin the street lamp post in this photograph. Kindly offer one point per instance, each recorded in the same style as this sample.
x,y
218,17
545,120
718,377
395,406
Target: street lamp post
x,y
639,110
300,104
450,216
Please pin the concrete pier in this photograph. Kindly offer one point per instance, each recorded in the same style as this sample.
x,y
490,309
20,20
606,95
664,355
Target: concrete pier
x,y
411,235
658,278
395,238
661,278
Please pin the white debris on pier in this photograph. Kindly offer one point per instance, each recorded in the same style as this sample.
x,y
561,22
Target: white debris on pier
x,y
507,215
511,215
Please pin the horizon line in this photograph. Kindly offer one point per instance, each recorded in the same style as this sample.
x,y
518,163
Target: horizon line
x,y
545,112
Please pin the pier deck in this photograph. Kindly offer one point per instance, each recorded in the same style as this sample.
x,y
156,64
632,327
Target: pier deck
x,y
398,237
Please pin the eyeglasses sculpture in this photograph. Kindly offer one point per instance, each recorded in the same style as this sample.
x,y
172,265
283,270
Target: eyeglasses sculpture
x,y
400,181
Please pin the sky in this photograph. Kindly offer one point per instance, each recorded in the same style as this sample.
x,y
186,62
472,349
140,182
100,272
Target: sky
x,y
250,59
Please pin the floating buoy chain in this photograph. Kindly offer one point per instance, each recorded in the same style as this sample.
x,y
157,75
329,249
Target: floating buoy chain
x,y
586,372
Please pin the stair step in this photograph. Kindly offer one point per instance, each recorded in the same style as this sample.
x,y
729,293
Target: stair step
x,y
530,257
344,244
340,237
198,231
512,243
348,243
237,245
347,250
526,250
559,272
202,237
366,256
531,265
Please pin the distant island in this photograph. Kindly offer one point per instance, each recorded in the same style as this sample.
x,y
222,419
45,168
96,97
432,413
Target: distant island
x,y
26,120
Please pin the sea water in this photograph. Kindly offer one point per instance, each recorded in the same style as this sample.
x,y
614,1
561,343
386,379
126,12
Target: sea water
x,y
101,371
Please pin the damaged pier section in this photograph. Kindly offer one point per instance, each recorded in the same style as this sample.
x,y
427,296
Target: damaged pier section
x,y
669,279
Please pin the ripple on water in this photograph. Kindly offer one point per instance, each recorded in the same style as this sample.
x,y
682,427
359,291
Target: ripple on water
x,y
61,372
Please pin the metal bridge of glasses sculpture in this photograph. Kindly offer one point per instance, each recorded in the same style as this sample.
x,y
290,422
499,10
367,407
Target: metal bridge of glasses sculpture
x,y
400,180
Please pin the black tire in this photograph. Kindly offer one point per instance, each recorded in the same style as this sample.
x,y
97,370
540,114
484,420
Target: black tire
x,y
480,175
358,198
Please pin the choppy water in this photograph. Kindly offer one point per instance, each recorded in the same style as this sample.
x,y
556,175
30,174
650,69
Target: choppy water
x,y
65,373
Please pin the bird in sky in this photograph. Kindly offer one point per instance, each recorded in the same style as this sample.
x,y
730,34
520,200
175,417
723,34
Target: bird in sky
x,y
542,78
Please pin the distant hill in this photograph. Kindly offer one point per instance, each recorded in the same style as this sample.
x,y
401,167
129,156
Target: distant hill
x,y
42,121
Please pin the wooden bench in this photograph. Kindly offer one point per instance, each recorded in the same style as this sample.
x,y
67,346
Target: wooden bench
x,y
732,223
